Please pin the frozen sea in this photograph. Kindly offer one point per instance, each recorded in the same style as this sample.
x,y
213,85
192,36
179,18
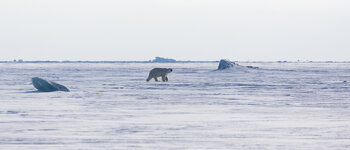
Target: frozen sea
x,y
111,106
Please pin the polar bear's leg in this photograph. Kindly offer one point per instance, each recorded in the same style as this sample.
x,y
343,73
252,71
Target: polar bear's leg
x,y
163,78
155,78
166,78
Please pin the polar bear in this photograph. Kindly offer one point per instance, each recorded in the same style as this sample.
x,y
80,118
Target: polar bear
x,y
159,72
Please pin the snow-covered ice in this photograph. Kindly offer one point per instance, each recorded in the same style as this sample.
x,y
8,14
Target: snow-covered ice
x,y
111,106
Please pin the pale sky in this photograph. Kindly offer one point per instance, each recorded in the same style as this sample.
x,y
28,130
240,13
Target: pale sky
x,y
179,29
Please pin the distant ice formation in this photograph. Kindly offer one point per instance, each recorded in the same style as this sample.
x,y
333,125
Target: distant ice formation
x,y
47,86
252,67
226,64
160,59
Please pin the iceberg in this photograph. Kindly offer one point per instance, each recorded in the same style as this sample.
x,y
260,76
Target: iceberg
x,y
47,86
161,59
226,64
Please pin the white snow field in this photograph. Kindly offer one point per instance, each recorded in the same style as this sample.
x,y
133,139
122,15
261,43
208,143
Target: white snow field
x,y
111,106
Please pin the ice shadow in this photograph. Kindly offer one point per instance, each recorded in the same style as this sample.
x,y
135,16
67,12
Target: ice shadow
x,y
37,91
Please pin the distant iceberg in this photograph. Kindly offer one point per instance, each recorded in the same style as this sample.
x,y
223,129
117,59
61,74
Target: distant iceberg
x,y
161,59
227,64
47,86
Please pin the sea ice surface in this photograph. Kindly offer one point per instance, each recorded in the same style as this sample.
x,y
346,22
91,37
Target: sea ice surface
x,y
111,106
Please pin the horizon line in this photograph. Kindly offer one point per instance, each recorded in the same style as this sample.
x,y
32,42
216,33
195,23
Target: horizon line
x,y
176,61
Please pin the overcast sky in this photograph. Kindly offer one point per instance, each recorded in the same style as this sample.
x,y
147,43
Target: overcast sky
x,y
179,29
